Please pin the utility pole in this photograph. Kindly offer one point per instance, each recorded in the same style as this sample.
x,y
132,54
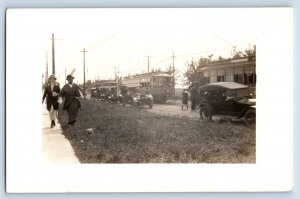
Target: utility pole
x,y
116,78
84,51
65,75
53,55
173,64
46,72
173,68
148,62
115,73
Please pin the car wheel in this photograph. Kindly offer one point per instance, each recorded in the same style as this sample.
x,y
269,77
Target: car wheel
x,y
205,113
250,118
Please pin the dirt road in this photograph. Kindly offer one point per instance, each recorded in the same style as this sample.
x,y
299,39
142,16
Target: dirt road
x,y
173,108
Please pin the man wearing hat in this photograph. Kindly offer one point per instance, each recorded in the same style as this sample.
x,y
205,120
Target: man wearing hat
x,y
52,91
71,93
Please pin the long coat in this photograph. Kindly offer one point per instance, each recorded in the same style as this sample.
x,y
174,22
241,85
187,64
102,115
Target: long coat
x,y
70,94
51,100
71,104
185,97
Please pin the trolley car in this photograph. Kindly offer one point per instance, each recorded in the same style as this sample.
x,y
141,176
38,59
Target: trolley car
x,y
159,84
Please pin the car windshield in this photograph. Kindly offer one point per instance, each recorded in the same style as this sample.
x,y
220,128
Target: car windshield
x,y
243,92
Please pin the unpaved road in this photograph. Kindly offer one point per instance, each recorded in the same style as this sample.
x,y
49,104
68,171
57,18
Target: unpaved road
x,y
173,108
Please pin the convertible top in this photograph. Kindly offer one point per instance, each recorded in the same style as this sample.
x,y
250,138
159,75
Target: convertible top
x,y
225,85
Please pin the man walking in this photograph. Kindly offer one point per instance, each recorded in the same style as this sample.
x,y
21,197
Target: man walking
x,y
71,93
52,91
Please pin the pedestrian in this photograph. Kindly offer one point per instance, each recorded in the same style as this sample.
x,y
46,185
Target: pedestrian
x,y
71,94
194,93
185,98
52,91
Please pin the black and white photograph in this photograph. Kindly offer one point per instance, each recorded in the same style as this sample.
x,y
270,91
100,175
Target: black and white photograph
x,y
148,93
121,90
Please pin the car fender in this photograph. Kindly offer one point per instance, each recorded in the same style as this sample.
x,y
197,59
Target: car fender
x,y
245,110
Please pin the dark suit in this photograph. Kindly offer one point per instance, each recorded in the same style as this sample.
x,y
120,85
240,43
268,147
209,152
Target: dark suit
x,y
51,100
71,104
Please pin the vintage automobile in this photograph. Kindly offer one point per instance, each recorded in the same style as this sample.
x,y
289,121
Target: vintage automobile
x,y
94,93
132,94
227,100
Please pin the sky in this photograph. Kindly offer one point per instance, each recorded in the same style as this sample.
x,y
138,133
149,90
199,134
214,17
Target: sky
x,y
122,39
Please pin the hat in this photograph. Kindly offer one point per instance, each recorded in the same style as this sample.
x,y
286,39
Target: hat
x,y
70,76
52,77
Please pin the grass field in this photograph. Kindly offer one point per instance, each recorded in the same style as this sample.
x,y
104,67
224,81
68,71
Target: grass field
x,y
110,133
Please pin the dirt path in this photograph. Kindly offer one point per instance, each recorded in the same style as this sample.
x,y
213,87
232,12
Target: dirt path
x,y
173,108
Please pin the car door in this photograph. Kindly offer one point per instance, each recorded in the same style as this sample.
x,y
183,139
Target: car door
x,y
230,103
220,102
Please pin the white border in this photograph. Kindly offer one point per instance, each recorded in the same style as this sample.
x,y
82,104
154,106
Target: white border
x,y
273,170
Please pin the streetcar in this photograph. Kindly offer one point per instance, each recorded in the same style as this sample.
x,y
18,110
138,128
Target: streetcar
x,y
159,84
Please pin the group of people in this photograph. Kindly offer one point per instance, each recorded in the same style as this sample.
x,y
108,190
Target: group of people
x,y
193,88
71,93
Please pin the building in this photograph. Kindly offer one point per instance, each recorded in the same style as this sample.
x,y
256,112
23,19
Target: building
x,y
240,70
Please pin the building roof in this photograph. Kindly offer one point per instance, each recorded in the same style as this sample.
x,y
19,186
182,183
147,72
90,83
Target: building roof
x,y
164,75
159,73
235,62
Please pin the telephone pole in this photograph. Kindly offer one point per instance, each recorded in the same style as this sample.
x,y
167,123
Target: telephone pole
x,y
148,62
117,78
173,64
65,75
84,51
46,72
53,54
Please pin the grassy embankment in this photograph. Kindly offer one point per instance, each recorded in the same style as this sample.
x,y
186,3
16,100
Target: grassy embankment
x,y
132,135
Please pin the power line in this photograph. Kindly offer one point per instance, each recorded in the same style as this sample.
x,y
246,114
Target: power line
x,y
101,41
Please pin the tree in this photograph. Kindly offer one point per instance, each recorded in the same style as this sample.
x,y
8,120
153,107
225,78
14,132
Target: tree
x,y
191,74
250,51
246,53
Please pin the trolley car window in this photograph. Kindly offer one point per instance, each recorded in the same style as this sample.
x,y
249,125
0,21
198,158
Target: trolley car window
x,y
239,75
213,76
221,76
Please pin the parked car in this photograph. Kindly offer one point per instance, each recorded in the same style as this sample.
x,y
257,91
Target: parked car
x,y
94,93
131,94
228,100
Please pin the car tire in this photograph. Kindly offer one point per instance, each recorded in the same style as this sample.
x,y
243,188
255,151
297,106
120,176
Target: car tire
x,y
205,114
250,118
